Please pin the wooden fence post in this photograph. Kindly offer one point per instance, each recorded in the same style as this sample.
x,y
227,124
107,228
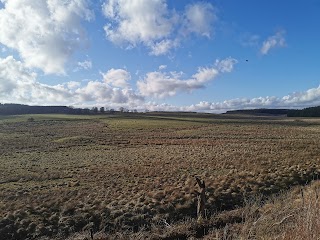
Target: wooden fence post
x,y
201,200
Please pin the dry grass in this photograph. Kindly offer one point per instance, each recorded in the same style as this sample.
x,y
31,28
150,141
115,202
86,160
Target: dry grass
x,y
121,174
288,216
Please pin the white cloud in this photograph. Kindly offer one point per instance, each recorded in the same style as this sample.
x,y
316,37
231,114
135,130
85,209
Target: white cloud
x,y
11,74
117,77
163,84
153,106
100,92
137,21
162,67
276,40
226,65
163,47
309,97
205,75
199,18
73,85
85,64
45,33
19,85
152,24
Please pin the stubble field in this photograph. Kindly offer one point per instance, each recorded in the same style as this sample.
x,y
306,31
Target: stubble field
x,y
61,174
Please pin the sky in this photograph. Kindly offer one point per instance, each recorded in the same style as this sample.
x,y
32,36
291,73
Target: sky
x,y
161,55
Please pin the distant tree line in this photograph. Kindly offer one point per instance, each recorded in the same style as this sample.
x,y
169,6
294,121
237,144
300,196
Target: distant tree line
x,y
260,111
306,112
17,109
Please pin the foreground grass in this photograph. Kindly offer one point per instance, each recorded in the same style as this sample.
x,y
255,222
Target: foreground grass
x,y
63,174
292,214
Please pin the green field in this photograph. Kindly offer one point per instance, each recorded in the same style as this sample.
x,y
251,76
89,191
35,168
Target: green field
x,y
61,174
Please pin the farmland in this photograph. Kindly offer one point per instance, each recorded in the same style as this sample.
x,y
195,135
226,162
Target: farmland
x,y
61,174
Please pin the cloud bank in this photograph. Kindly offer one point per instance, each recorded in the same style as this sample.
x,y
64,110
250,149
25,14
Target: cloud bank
x,y
20,85
308,98
117,77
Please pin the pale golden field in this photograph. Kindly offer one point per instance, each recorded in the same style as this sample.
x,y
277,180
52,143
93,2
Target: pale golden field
x,y
63,174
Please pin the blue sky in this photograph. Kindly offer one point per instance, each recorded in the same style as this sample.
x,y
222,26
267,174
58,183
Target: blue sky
x,y
210,56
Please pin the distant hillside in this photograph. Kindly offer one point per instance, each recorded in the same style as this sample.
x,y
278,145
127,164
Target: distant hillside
x,y
306,112
14,109
261,111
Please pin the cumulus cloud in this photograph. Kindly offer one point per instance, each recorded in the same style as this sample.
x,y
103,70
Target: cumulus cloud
x,y
306,98
137,21
154,25
96,91
19,85
73,85
226,65
117,77
45,33
198,19
277,40
11,74
161,84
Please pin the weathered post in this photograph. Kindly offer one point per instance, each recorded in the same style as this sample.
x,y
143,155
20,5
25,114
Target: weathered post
x,y
91,233
201,200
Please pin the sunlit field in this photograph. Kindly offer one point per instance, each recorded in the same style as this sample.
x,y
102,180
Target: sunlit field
x,y
62,174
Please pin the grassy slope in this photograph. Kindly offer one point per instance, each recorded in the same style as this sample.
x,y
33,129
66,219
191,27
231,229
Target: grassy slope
x,y
64,173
